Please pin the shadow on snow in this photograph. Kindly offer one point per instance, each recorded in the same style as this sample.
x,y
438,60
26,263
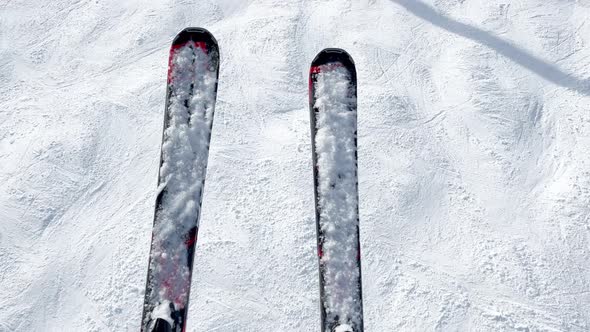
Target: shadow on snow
x,y
520,56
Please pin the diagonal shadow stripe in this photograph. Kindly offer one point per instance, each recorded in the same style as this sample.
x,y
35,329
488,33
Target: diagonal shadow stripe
x,y
544,69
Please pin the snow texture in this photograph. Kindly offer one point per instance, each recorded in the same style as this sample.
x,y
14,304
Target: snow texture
x,y
473,140
335,147
163,311
343,328
182,173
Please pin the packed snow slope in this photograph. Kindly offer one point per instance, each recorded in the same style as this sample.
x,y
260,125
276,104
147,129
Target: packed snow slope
x,y
474,132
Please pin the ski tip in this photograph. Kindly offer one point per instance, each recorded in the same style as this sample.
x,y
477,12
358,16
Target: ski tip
x,y
330,55
336,56
196,35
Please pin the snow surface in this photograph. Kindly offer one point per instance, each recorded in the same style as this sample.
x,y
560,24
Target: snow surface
x,y
343,328
474,181
184,164
335,146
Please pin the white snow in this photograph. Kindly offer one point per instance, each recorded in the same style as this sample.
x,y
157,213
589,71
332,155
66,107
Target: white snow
x,y
343,328
473,137
162,311
184,164
336,123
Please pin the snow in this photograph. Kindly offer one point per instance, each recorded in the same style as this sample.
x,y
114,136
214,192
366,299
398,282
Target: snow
x,y
182,173
335,146
343,328
473,132
162,311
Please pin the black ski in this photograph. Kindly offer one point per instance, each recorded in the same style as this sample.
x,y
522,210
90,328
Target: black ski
x,y
333,110
193,70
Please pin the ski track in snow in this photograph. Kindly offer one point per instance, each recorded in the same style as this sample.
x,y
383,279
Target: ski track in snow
x,y
473,126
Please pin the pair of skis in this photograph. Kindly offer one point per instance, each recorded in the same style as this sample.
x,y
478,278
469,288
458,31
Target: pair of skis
x,y
190,102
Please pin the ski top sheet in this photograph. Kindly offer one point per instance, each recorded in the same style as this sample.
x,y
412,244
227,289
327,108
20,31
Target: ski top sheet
x,y
193,71
333,110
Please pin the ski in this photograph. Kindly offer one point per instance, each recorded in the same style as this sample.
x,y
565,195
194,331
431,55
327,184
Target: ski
x,y
193,71
333,111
